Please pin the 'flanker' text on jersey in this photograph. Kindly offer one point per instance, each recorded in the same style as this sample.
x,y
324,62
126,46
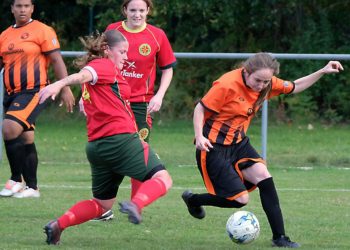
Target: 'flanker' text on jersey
x,y
132,74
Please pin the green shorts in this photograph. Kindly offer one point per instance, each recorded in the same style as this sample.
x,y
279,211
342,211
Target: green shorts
x,y
143,119
111,158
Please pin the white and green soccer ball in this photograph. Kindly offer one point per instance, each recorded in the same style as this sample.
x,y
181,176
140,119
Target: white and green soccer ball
x,y
243,227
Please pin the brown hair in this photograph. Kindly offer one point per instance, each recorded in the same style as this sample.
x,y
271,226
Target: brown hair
x,y
259,61
126,3
96,44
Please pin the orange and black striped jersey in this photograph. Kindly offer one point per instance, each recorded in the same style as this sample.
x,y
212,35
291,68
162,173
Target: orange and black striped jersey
x,y
23,50
229,106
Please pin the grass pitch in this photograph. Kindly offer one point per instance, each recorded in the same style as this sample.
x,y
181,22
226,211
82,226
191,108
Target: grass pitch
x,y
311,169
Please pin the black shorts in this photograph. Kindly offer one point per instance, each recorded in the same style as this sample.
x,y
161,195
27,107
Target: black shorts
x,y
23,108
221,168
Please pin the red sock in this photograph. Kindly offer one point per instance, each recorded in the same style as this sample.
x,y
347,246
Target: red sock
x,y
148,192
135,185
81,212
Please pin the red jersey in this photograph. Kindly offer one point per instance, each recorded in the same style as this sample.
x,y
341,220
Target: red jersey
x,y
23,50
229,106
107,112
148,47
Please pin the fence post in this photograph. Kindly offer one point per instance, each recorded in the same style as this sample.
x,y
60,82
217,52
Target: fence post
x,y
264,119
1,110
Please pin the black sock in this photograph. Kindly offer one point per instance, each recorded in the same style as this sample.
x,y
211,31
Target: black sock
x,y
15,155
30,166
197,200
270,203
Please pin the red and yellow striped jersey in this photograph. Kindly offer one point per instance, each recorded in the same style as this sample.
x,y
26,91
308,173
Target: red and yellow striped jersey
x,y
229,106
23,50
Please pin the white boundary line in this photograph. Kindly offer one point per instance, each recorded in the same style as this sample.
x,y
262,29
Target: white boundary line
x,y
189,165
198,188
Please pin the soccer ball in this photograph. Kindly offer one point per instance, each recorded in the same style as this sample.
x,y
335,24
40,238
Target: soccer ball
x,y
243,227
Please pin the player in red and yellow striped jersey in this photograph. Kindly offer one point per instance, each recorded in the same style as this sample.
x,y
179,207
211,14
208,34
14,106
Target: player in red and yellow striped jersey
x,y
229,165
26,50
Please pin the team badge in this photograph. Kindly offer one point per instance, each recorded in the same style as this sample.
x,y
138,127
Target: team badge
x,y
143,133
86,95
250,111
145,49
11,46
285,84
25,35
54,41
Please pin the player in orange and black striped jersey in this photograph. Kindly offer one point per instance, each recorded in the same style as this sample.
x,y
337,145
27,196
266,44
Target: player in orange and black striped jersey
x,y
27,48
229,165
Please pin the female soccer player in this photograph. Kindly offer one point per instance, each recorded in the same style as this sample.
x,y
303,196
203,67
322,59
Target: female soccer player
x,y
26,50
149,48
114,147
229,165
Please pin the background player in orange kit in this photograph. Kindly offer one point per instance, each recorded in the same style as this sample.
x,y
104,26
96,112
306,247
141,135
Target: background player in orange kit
x,y
229,165
26,50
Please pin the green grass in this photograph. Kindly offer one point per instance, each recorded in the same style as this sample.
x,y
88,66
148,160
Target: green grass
x,y
310,168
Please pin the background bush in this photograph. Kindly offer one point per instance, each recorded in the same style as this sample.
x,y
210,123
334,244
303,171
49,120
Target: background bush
x,y
278,26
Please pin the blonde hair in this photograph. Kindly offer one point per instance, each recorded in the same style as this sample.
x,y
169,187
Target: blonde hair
x,y
259,61
96,44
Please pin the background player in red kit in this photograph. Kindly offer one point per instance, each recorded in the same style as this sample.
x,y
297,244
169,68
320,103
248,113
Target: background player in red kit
x,y
229,165
26,50
149,48
114,147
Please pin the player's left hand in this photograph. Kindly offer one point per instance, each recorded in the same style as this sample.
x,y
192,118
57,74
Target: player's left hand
x,y
67,98
155,104
50,91
332,67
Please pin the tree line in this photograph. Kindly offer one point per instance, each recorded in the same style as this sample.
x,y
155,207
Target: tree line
x,y
277,26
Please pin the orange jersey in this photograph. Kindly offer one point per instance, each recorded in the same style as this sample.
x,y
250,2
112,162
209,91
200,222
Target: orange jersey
x,y
229,106
23,50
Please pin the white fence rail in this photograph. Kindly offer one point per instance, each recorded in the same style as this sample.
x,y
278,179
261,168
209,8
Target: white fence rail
x,y
231,56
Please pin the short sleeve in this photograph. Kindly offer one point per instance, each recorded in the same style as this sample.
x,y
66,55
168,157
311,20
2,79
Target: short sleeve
x,y
49,41
280,86
215,97
166,58
102,70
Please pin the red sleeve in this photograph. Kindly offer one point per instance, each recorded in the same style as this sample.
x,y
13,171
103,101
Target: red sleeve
x,y
280,86
166,57
105,71
215,97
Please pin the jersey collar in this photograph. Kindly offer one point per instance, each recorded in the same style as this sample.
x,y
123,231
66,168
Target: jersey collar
x,y
142,28
15,25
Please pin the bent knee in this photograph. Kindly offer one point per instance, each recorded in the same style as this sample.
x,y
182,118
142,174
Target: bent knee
x,y
165,177
244,199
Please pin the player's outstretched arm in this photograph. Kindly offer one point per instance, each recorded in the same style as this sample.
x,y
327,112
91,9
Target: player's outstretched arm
x,y
52,90
307,81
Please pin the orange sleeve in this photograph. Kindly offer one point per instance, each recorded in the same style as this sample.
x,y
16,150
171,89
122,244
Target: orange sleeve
x,y
215,97
280,86
48,39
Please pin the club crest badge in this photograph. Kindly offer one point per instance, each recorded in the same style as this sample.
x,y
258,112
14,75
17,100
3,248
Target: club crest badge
x,y
25,35
143,133
145,49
